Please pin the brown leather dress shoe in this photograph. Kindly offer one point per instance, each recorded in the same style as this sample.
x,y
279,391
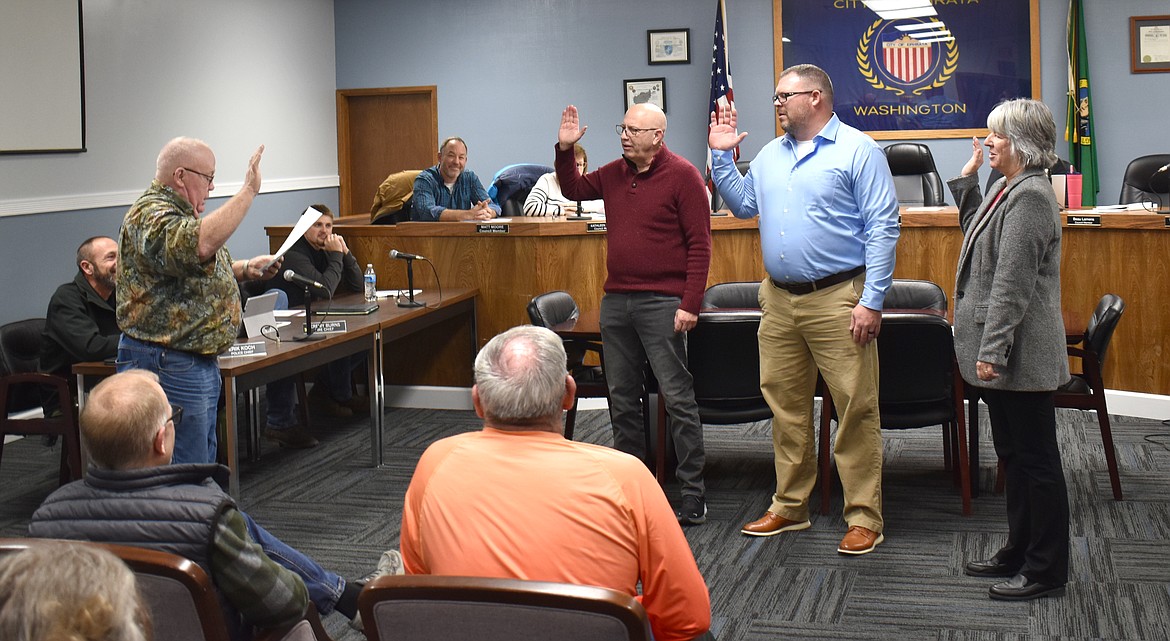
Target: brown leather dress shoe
x,y
772,523
859,540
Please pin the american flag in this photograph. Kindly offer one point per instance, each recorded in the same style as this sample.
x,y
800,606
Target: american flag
x,y
721,92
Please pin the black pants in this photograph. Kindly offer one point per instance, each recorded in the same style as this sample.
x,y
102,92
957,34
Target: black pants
x,y
1023,427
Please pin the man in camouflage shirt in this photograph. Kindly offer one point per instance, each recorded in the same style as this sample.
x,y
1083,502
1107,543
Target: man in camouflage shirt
x,y
132,495
178,298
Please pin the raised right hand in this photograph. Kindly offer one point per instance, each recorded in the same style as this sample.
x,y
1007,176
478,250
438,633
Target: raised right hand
x,y
571,129
722,135
976,160
252,177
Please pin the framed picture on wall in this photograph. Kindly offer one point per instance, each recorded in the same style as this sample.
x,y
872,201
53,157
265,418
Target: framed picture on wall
x,y
668,46
1149,44
639,90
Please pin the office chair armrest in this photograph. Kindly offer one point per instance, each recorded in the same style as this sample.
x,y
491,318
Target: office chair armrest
x,y
311,616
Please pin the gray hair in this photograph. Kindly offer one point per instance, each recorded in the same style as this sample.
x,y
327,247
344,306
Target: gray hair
x,y
813,74
1028,126
520,376
69,590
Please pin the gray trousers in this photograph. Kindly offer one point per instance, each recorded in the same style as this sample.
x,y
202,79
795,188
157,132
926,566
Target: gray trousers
x,y
636,328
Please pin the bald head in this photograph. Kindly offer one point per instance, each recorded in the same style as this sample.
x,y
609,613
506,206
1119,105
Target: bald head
x,y
650,115
181,152
122,419
520,379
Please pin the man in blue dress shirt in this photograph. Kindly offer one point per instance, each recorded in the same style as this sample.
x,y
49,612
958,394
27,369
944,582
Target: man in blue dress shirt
x,y
450,191
828,230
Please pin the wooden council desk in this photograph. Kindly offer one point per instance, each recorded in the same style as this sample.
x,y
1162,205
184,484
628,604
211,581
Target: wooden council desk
x,y
288,357
510,262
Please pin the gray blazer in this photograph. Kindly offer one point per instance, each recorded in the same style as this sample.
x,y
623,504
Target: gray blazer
x,y
1007,286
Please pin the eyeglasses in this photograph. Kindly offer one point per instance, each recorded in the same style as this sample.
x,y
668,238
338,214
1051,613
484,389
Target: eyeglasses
x,y
582,165
630,131
210,179
176,416
781,98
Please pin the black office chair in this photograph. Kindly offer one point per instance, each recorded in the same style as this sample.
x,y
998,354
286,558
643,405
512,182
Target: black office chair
x,y
552,309
1058,168
1143,183
919,380
426,608
1085,390
717,200
734,295
916,179
392,202
21,388
511,185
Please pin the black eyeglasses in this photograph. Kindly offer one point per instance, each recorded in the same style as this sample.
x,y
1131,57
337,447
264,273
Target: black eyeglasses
x,y
210,179
782,98
631,131
176,416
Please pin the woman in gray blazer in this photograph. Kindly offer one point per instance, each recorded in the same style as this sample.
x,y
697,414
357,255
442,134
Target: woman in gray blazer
x,y
1009,339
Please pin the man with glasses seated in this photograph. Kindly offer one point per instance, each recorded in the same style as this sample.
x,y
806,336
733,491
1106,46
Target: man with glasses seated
x,y
659,249
178,297
132,495
449,191
828,230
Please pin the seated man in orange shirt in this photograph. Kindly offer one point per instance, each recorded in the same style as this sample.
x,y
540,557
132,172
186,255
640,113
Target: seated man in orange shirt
x,y
544,508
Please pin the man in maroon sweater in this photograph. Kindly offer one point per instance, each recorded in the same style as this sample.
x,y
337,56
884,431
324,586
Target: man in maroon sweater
x,y
659,249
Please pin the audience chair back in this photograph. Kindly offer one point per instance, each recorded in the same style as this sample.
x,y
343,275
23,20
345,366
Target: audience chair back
x,y
182,600
1085,390
717,202
21,389
916,179
920,384
555,308
1142,182
441,608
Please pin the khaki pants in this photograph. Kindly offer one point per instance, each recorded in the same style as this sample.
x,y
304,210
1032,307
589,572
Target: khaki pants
x,y
800,334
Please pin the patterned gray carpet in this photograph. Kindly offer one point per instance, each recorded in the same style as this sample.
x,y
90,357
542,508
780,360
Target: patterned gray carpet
x,y
331,504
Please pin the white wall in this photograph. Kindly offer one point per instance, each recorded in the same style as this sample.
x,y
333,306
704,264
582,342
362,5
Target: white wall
x,y
234,73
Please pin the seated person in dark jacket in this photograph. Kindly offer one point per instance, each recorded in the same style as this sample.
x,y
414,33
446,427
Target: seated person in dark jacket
x,y
449,191
322,256
80,324
132,495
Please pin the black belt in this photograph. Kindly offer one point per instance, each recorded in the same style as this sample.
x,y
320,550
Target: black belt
x,y
828,281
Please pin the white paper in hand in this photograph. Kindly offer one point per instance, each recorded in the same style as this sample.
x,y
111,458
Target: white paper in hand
x,y
309,217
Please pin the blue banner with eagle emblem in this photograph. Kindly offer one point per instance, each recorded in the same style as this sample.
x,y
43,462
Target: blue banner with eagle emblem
x,y
928,76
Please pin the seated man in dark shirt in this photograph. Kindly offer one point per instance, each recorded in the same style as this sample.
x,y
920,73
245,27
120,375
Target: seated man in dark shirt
x,y
322,256
80,324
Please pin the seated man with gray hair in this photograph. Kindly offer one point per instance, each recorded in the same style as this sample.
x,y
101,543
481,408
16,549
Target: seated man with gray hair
x,y
133,495
518,500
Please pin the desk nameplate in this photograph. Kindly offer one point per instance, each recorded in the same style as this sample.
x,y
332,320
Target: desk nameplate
x,y
1168,221
330,327
493,228
241,350
595,228
1083,221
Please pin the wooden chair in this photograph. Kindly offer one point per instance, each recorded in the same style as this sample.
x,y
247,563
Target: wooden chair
x,y
452,608
21,387
182,600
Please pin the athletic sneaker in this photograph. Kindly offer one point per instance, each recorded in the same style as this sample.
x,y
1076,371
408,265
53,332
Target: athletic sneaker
x,y
693,510
389,563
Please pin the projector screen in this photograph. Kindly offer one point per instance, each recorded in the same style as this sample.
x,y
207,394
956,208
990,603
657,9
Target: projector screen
x,y
42,84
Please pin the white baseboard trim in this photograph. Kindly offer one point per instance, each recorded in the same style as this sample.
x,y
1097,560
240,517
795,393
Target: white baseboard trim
x,y
1138,404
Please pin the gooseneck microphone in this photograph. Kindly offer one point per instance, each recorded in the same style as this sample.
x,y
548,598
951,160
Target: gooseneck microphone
x,y
294,277
394,253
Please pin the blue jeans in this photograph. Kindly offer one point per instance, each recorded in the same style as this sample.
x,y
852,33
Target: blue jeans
x,y
325,587
337,377
190,381
636,328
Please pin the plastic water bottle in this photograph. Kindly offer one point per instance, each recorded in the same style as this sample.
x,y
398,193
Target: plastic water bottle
x,y
371,284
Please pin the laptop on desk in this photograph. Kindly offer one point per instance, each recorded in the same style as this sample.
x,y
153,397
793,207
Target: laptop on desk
x,y
258,314
360,309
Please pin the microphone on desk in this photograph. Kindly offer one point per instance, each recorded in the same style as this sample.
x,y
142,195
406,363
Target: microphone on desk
x,y
394,253
294,277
